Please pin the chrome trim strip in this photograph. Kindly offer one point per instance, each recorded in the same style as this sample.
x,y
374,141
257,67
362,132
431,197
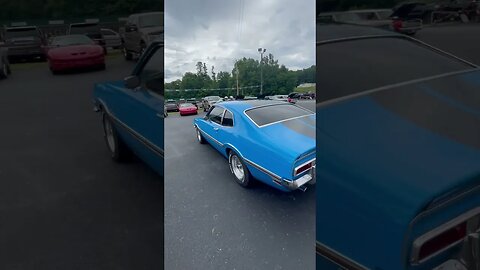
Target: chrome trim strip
x,y
262,169
215,140
421,240
157,150
337,258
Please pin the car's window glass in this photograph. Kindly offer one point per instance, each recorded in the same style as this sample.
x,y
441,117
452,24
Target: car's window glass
x,y
72,40
21,33
151,75
270,114
228,119
352,67
184,105
215,115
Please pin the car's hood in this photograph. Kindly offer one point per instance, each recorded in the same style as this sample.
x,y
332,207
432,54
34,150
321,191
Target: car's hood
x,y
75,51
387,155
292,138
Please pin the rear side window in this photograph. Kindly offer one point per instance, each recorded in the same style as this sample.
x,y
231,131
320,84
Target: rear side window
x,y
351,67
228,119
275,113
215,115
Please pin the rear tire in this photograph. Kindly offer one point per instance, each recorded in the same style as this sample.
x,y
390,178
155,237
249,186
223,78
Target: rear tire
x,y
240,172
118,149
200,137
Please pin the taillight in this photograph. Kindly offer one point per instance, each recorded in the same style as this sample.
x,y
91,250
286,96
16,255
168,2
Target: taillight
x,y
303,168
397,24
443,240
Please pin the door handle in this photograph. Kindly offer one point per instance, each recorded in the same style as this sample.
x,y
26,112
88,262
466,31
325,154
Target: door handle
x,y
216,129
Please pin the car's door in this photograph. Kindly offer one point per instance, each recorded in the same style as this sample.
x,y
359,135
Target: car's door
x,y
110,37
142,109
212,125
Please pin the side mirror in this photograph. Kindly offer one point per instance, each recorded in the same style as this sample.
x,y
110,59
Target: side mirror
x,y
132,82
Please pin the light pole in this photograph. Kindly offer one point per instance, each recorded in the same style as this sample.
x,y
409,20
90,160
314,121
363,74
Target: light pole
x,y
261,51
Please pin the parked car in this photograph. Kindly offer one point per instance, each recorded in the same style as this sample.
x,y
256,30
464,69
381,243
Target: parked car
x,y
400,159
74,52
112,38
23,43
193,101
91,30
171,106
397,20
4,64
279,97
187,109
140,30
269,141
133,111
209,101
294,97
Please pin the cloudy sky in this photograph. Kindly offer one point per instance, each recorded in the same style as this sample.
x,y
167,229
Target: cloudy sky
x,y
218,31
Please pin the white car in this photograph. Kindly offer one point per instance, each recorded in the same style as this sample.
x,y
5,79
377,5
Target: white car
x,y
279,97
112,38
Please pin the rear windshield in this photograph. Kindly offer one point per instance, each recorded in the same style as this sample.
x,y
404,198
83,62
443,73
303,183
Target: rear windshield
x,y
71,40
19,33
275,113
351,67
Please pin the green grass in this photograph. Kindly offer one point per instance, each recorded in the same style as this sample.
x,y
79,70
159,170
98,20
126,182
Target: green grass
x,y
305,89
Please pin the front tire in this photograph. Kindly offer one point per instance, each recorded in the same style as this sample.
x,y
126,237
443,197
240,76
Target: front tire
x,y
118,149
126,54
239,170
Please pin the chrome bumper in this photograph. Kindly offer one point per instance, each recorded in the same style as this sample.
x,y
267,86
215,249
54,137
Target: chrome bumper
x,y
469,257
299,183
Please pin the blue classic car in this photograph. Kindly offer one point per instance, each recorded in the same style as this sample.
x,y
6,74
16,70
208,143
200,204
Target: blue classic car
x,y
133,111
399,168
270,141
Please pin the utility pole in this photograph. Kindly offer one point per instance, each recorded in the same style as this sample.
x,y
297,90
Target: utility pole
x,y
236,71
261,51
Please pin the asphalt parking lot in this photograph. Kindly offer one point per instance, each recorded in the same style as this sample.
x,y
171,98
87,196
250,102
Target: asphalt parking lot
x,y
213,223
63,203
459,39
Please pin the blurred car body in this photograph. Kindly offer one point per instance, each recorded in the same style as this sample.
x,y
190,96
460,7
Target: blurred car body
x,y
388,135
397,20
140,30
133,111
112,38
23,43
91,30
187,109
74,52
171,105
209,101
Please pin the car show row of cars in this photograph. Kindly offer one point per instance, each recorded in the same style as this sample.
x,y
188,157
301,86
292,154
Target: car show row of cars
x,y
80,44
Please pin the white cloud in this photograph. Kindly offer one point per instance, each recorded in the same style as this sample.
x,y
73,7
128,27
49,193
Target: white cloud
x,y
218,32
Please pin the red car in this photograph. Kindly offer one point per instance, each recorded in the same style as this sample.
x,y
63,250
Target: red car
x,y
73,52
187,108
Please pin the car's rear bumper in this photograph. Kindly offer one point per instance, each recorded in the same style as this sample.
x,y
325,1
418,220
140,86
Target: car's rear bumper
x,y
80,63
299,183
188,112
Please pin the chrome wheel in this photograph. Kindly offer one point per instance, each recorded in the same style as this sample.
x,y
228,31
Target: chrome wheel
x,y
236,167
110,136
199,136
